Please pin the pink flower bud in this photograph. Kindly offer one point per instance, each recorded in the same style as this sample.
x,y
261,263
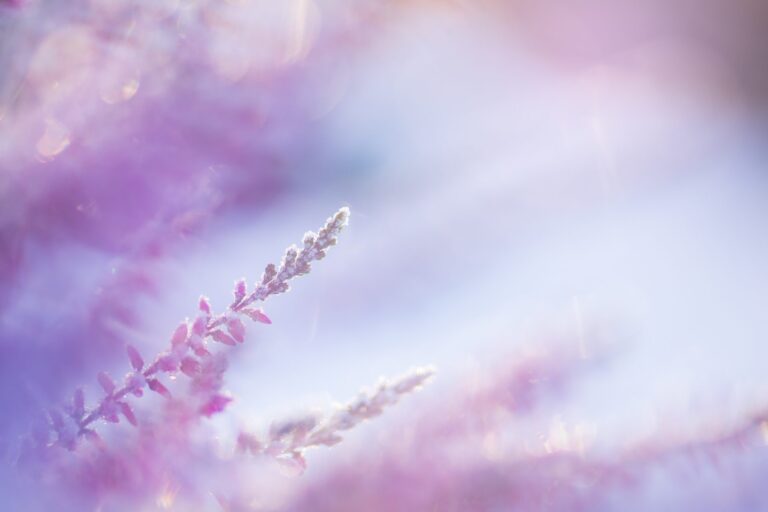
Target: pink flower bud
x,y
236,329
200,326
221,337
198,346
190,366
157,386
136,361
204,305
257,315
106,382
179,335
240,290
168,363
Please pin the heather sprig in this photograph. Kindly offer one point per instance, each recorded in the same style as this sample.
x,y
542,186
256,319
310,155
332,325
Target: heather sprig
x,y
190,350
288,440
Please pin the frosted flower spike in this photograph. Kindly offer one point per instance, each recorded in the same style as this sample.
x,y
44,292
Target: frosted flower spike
x,y
190,352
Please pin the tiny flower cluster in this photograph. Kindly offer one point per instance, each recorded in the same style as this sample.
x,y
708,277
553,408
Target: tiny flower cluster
x,y
287,440
190,350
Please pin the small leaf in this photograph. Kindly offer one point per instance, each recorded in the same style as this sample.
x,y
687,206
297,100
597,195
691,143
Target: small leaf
x,y
224,338
179,335
257,315
157,386
204,305
106,382
128,413
236,329
136,361
190,366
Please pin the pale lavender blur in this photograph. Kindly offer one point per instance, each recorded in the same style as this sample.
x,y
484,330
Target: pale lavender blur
x,y
514,169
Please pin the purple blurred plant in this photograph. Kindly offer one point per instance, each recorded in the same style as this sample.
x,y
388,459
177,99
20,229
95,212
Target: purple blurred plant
x,y
493,447
189,350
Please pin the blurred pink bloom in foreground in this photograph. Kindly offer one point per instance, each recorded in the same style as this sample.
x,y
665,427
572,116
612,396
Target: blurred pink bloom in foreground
x,y
493,447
